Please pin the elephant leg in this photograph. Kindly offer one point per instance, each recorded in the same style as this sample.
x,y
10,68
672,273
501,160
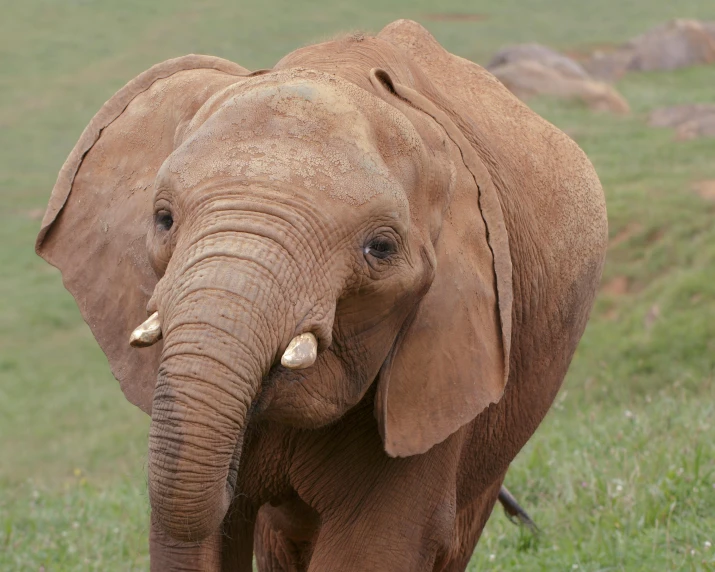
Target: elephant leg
x,y
284,536
400,527
237,537
275,552
468,527
169,555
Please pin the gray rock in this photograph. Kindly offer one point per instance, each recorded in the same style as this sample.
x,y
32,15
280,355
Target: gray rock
x,y
526,78
689,121
675,44
538,53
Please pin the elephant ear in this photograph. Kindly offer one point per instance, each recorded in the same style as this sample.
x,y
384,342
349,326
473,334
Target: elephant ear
x,y
100,211
451,360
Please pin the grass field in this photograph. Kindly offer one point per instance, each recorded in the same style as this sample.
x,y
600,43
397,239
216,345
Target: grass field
x,y
621,475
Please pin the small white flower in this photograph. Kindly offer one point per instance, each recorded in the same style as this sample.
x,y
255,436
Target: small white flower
x,y
619,488
629,414
75,525
492,557
574,567
707,544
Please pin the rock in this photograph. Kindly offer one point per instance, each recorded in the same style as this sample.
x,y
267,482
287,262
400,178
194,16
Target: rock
x,y
675,44
542,54
608,66
689,121
533,69
526,78
696,128
617,286
677,114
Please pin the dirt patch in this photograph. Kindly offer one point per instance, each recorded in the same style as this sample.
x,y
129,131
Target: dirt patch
x,y
626,234
611,315
706,189
35,214
689,121
676,44
654,235
456,17
617,286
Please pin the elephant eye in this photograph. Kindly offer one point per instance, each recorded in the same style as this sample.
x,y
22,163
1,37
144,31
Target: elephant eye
x,y
381,247
164,220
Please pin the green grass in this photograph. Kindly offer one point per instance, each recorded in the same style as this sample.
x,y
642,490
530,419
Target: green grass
x,y
621,475
76,527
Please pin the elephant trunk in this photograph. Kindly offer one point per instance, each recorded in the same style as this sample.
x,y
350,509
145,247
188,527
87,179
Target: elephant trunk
x,y
224,322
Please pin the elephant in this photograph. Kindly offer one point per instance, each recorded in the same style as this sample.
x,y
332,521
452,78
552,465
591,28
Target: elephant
x,y
353,284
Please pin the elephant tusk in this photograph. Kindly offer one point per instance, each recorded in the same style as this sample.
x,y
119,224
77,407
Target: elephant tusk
x,y
301,352
147,334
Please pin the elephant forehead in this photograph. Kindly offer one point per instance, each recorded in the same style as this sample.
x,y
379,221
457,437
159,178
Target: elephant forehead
x,y
323,136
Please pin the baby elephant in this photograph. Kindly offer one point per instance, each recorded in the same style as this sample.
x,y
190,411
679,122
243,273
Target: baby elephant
x,y
365,271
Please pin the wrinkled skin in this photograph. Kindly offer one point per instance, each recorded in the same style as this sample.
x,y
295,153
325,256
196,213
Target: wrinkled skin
x,y
441,241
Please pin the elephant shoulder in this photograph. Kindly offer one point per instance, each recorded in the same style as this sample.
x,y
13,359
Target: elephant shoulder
x,y
543,179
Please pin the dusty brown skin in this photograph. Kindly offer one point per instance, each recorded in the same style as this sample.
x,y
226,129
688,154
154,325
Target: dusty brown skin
x,y
441,241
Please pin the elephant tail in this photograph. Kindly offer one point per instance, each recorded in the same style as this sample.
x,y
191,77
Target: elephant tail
x,y
513,510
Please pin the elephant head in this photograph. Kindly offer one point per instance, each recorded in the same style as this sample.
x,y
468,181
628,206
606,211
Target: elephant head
x,y
245,210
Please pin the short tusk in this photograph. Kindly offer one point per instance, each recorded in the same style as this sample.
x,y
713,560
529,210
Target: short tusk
x,y
147,334
301,352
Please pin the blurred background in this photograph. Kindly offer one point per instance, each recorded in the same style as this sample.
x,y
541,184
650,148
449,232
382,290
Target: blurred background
x,y
621,474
